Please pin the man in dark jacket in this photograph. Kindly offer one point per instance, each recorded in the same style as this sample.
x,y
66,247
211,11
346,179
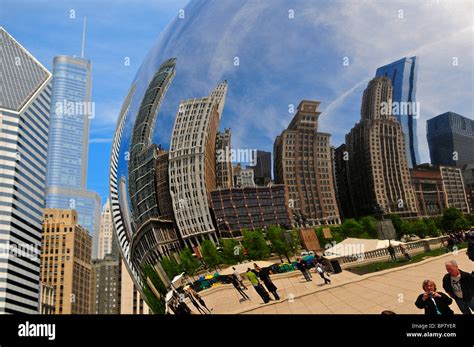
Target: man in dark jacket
x,y
301,265
460,286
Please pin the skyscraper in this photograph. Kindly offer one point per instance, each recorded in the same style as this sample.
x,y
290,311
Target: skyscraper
x,y
302,161
341,173
224,174
379,178
105,232
25,98
70,115
106,285
403,75
262,171
451,139
66,261
192,165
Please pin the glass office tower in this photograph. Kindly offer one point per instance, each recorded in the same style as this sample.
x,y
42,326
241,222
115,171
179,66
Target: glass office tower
x,y
403,74
71,111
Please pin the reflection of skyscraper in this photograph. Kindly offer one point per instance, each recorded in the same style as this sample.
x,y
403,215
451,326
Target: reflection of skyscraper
x,y
70,115
155,234
302,161
192,164
403,74
378,169
223,160
25,98
262,171
451,139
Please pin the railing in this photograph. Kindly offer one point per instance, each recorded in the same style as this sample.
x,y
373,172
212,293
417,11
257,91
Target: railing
x,y
376,255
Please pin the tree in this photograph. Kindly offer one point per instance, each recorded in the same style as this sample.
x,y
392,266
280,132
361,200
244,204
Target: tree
x,y
431,226
188,262
231,251
461,224
210,254
449,218
397,224
419,228
256,245
171,267
351,228
369,224
279,245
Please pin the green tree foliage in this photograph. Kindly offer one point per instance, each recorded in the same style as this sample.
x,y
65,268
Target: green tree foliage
x,y
210,254
171,267
156,303
231,251
449,218
279,244
461,224
369,224
256,246
188,262
397,224
352,228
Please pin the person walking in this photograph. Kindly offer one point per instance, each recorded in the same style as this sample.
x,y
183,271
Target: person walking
x,y
433,302
239,278
391,251
264,275
257,286
198,298
301,265
404,251
460,286
320,271
236,283
195,303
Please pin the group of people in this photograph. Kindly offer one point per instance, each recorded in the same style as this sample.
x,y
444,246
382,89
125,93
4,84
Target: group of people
x,y
320,269
458,284
179,307
403,250
256,276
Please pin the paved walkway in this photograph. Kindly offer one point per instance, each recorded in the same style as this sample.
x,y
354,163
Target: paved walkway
x,y
393,289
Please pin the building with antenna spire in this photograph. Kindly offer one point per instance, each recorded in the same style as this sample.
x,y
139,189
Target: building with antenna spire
x,y
70,115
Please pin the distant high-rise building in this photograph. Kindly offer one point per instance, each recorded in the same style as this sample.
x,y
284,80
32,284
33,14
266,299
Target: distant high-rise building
x,y
71,111
302,161
403,74
451,139
224,175
25,97
262,171
192,165
454,187
238,209
105,231
243,177
131,301
106,285
341,174
429,190
468,175
66,261
379,178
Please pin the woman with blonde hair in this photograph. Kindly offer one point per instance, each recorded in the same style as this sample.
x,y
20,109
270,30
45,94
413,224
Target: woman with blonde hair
x,y
434,303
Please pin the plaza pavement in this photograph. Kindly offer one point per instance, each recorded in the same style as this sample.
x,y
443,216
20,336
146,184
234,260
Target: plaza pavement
x,y
393,289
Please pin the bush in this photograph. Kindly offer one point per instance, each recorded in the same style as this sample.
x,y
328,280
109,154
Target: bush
x,y
255,244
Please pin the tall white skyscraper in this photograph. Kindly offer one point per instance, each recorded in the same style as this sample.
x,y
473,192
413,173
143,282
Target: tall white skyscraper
x,y
105,232
25,98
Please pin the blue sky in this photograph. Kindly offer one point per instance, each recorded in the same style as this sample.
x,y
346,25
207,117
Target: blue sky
x,y
282,60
